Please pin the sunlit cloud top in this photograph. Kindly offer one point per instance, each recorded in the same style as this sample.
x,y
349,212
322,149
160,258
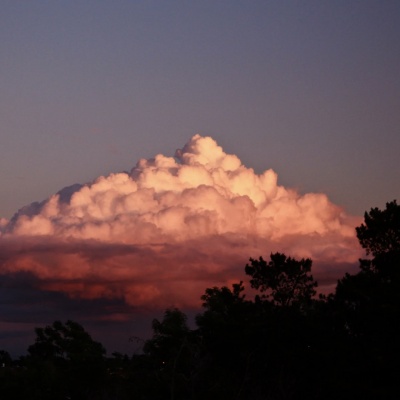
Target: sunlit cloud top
x,y
201,191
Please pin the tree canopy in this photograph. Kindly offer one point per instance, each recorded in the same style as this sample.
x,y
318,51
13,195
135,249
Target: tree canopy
x,y
380,232
346,345
68,341
283,279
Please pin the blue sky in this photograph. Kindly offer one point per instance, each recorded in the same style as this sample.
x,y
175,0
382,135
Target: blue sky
x,y
308,88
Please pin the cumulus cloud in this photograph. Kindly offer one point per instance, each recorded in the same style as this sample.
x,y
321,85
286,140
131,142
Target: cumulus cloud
x,y
170,228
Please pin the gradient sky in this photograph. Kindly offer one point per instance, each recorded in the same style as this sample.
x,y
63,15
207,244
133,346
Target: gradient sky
x,y
310,89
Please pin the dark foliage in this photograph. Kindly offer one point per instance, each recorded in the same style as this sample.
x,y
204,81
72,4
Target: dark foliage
x,y
380,232
283,279
283,344
369,302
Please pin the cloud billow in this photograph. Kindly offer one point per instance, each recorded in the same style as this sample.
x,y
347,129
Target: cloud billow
x,y
171,227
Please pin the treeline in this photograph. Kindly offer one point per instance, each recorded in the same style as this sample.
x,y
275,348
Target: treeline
x,y
283,344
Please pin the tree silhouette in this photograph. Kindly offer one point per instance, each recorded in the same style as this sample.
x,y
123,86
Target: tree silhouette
x,y
369,302
68,341
170,348
283,279
380,232
283,344
377,284
65,361
5,359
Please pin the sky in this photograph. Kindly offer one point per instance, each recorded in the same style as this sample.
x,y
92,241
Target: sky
x,y
149,148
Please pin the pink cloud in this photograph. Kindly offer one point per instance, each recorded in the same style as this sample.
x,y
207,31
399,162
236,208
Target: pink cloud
x,y
172,227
